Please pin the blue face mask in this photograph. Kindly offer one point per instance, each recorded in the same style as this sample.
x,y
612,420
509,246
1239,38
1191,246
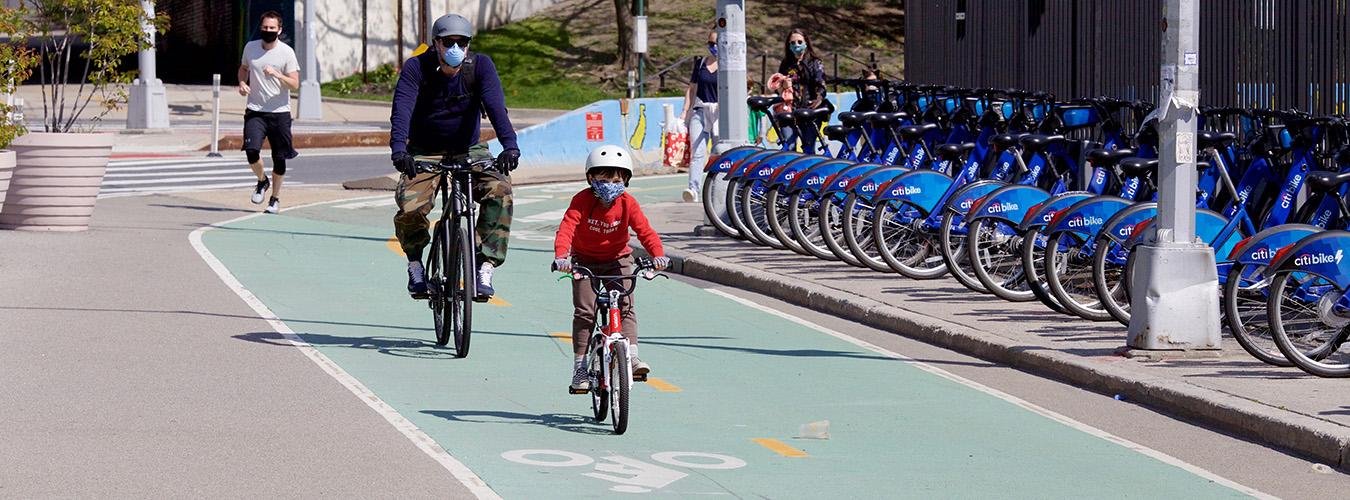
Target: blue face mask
x,y
797,48
607,191
712,49
454,56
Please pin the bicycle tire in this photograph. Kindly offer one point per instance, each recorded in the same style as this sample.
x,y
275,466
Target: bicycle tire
x,y
902,244
1309,350
461,301
620,384
1033,259
830,218
1069,285
1245,313
733,206
707,200
997,261
802,220
953,247
437,262
755,214
779,222
1109,278
858,234
599,394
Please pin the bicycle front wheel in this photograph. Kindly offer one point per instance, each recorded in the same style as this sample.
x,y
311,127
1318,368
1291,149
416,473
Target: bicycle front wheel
x,y
858,234
1068,274
461,296
599,380
954,235
993,249
904,244
711,189
437,283
802,214
621,380
831,221
780,222
1109,278
1305,323
1244,307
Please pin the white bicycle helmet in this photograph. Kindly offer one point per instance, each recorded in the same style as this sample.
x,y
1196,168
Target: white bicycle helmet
x,y
610,155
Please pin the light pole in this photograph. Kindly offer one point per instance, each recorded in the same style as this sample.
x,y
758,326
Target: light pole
x,y
1174,299
311,101
147,101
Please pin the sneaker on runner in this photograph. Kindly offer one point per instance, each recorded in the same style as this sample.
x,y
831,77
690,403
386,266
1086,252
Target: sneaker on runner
x,y
485,281
417,279
273,206
640,367
581,381
689,196
258,191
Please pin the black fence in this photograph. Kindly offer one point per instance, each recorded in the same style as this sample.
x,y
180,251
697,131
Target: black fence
x,y
1275,54
208,36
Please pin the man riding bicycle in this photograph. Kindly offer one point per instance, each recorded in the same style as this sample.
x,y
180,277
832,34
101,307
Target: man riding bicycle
x,y
439,101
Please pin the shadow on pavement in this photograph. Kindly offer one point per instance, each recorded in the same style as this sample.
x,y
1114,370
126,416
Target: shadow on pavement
x,y
204,208
580,424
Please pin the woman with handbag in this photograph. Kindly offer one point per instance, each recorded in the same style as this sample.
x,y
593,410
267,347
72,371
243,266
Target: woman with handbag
x,y
700,116
807,73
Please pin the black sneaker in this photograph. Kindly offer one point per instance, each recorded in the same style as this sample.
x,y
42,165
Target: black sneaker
x,y
485,290
257,198
273,206
417,281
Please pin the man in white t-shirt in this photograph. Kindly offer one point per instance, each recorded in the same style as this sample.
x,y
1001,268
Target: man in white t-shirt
x,y
268,72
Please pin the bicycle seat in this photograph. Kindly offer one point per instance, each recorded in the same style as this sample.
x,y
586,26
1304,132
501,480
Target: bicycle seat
x,y
1005,141
1108,157
1037,142
953,151
914,132
1211,139
761,103
1326,181
816,114
1138,167
884,119
853,118
839,132
784,119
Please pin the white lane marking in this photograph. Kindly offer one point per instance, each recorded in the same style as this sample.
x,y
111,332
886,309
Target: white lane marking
x,y
145,191
549,216
1139,448
142,166
179,180
189,173
475,484
385,201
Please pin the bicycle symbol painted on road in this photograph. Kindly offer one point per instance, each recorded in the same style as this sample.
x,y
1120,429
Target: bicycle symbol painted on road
x,y
630,475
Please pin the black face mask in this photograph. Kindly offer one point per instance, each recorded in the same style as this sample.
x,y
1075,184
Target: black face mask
x,y
270,36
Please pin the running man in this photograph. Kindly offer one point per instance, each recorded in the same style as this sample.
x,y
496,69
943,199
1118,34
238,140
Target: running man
x,y
268,72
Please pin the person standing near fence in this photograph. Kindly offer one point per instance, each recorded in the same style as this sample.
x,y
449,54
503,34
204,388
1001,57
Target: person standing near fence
x,y
807,73
268,71
700,115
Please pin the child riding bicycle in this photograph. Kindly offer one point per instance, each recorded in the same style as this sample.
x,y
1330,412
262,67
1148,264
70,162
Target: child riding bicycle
x,y
594,234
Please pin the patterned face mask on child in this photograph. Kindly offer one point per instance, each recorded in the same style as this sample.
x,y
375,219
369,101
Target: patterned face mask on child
x,y
607,191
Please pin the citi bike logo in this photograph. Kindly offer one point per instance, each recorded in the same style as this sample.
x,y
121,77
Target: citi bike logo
x,y
868,187
724,165
789,176
1309,259
965,204
1287,197
891,154
1125,230
1263,253
815,181
1002,207
905,190
766,171
1100,177
1246,191
1085,221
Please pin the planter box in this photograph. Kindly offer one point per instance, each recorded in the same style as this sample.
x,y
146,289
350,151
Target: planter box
x,y
55,181
6,170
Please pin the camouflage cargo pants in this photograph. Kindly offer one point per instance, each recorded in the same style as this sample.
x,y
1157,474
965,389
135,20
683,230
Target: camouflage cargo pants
x,y
492,190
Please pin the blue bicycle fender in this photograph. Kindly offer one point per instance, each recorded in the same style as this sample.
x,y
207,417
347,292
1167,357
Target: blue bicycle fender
x,y
1260,249
738,169
722,163
1121,227
1009,203
766,167
1046,212
1087,217
964,198
813,178
866,185
921,188
785,174
839,182
1320,254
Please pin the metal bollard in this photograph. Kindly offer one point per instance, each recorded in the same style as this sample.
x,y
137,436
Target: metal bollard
x,y
215,117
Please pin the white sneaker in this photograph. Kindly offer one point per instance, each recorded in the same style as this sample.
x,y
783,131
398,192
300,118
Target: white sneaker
x,y
581,381
273,206
259,190
689,196
639,367
485,281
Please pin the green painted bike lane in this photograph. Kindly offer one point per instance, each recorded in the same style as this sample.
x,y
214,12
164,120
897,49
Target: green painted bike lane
x,y
733,384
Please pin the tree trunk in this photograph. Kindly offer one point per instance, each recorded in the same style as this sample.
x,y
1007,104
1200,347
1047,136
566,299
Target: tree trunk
x,y
623,14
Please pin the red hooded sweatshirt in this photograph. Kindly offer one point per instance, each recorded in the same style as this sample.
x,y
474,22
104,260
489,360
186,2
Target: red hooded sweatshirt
x,y
592,232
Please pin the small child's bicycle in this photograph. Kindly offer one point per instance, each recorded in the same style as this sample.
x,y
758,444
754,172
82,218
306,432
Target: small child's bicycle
x,y
607,352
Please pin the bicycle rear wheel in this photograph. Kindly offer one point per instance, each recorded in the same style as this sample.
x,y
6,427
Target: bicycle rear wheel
x,y
437,283
621,380
1305,325
461,297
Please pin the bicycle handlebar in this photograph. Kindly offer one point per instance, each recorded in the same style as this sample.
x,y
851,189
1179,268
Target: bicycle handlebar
x,y
644,269
456,165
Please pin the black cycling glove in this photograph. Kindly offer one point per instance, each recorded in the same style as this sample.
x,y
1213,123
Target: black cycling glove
x,y
508,160
404,163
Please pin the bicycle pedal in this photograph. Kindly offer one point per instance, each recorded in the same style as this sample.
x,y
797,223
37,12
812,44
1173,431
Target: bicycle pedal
x,y
481,298
570,390
420,296
640,378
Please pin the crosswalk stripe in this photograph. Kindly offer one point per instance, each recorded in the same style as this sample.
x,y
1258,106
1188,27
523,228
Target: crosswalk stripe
x,y
174,165
178,174
177,189
180,180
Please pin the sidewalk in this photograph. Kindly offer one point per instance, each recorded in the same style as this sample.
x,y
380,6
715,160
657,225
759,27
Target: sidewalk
x,y
1280,407
345,123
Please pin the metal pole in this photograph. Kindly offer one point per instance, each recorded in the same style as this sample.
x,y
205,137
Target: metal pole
x,y
311,99
642,78
147,101
215,117
1175,287
733,114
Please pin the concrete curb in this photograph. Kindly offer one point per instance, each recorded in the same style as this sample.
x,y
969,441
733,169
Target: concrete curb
x,y
1303,434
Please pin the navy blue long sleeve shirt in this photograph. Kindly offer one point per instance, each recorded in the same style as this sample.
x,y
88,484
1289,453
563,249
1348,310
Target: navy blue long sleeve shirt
x,y
436,113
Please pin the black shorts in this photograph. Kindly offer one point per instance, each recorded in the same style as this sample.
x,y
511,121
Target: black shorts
x,y
276,127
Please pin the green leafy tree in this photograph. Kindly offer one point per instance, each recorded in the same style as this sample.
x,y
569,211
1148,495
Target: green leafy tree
x,y
16,63
107,31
